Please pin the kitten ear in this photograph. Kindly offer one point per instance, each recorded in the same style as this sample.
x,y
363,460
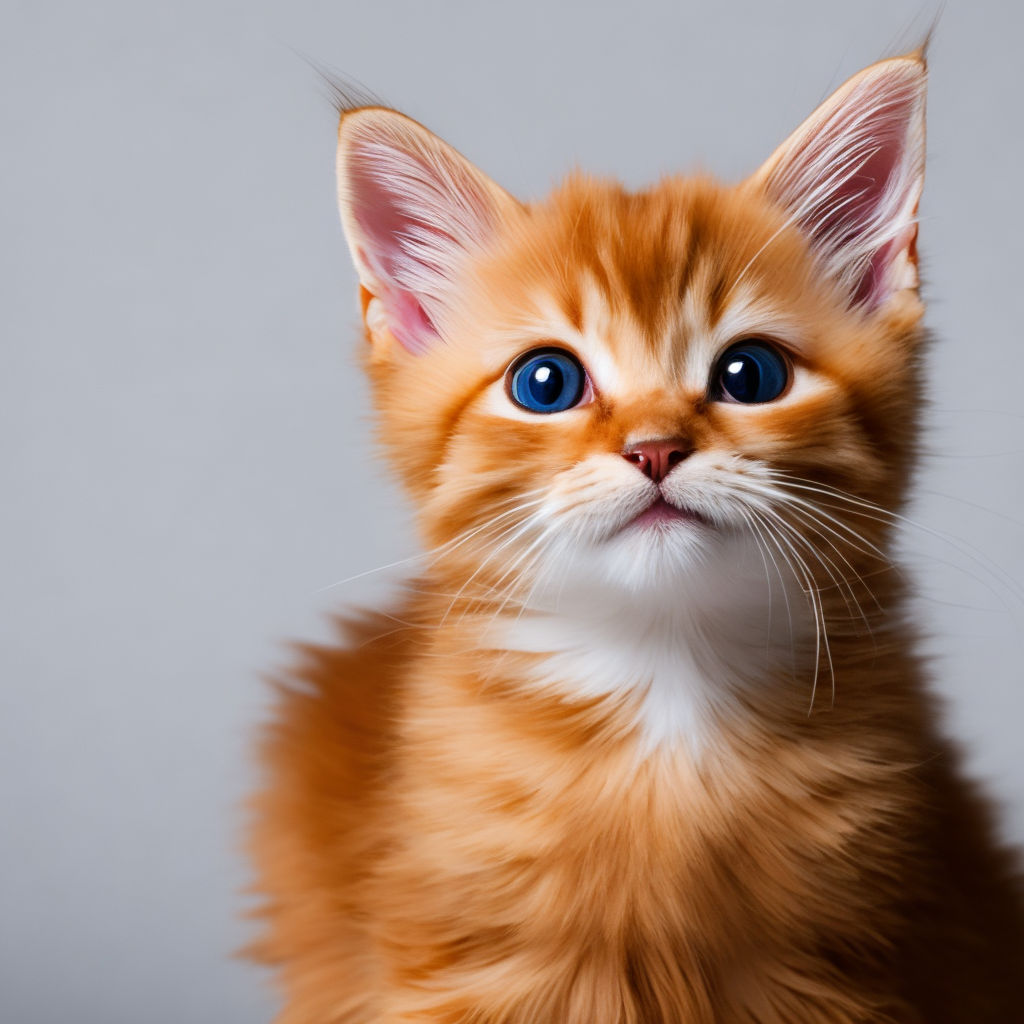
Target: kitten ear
x,y
851,176
414,211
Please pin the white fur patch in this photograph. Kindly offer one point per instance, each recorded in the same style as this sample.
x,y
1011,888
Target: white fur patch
x,y
692,620
686,669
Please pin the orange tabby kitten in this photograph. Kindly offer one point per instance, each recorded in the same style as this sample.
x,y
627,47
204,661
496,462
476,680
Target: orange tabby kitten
x,y
647,742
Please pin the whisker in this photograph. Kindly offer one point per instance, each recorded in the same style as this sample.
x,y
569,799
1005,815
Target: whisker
x,y
842,585
780,494
511,534
370,572
802,572
868,509
446,548
763,550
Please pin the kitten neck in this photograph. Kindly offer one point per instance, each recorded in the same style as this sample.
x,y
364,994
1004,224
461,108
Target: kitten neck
x,y
688,658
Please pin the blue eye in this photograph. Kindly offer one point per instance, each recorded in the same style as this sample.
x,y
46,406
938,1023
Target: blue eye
x,y
547,380
751,372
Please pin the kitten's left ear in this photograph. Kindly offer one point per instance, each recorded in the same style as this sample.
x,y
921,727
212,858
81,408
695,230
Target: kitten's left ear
x,y
415,212
851,177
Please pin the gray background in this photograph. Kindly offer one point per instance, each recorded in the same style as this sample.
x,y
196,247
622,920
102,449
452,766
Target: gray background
x,y
186,462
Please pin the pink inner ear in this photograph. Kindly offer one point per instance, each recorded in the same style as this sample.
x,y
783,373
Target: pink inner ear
x,y
852,182
856,203
855,199
389,243
408,321
875,284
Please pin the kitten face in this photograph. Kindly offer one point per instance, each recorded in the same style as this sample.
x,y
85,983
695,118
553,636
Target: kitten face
x,y
556,486
646,293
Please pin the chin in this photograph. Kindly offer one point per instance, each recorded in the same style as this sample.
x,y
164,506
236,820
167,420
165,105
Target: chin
x,y
666,561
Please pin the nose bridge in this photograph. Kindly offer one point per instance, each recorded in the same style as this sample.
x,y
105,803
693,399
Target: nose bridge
x,y
658,415
658,433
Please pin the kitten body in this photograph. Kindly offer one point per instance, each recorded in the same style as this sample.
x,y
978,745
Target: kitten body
x,y
647,741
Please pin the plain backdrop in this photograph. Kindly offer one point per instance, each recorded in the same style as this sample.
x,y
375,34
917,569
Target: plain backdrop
x,y
186,459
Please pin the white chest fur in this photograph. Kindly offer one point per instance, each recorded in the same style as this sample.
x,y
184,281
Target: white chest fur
x,y
691,656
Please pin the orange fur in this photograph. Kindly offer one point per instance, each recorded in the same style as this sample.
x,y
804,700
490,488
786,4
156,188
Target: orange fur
x,y
450,831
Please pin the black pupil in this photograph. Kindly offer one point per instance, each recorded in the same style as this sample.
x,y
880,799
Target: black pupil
x,y
742,378
546,382
753,373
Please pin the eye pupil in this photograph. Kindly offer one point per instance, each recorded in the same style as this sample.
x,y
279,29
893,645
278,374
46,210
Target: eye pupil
x,y
545,384
752,372
547,381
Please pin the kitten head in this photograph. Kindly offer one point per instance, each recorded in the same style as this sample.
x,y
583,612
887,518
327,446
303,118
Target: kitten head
x,y
633,391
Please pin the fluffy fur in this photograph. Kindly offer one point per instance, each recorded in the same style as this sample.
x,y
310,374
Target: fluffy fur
x,y
591,772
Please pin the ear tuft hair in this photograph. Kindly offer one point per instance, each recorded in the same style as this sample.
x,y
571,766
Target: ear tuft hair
x,y
344,92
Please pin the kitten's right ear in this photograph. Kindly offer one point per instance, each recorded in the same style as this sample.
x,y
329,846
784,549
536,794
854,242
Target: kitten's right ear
x,y
414,212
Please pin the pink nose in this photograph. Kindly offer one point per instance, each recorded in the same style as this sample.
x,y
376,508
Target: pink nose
x,y
656,458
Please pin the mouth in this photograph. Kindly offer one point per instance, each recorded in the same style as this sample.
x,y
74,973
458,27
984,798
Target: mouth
x,y
661,513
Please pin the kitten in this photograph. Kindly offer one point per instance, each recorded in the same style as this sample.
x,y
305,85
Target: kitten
x,y
647,741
